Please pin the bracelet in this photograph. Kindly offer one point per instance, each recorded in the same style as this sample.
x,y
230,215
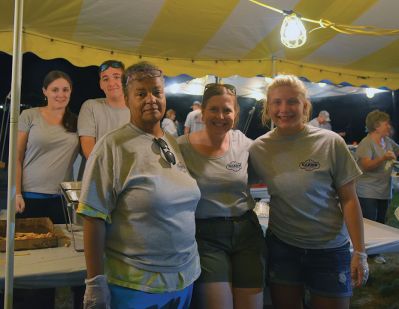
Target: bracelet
x,y
18,195
361,254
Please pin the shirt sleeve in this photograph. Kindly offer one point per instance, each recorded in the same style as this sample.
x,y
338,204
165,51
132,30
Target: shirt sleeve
x,y
345,168
86,120
25,121
97,197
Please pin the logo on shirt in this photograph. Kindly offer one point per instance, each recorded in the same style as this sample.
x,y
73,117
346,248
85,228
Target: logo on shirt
x,y
309,165
234,166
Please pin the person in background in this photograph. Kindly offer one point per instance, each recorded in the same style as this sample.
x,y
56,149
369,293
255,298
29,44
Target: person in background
x,y
375,154
138,201
323,121
169,123
46,149
194,119
228,233
310,176
100,116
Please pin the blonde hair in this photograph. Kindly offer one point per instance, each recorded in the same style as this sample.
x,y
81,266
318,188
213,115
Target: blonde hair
x,y
374,119
287,81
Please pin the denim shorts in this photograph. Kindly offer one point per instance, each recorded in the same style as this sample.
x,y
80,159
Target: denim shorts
x,y
231,250
323,272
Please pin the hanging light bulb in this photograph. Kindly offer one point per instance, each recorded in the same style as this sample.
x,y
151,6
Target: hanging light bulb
x,y
292,32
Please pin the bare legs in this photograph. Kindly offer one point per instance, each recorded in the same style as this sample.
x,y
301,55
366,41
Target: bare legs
x,y
221,295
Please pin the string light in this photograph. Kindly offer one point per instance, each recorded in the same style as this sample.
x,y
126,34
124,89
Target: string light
x,y
292,32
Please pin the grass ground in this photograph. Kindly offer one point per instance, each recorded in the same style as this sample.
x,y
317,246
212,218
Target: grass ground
x,y
382,289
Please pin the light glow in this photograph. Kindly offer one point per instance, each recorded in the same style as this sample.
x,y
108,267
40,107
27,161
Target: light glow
x,y
293,32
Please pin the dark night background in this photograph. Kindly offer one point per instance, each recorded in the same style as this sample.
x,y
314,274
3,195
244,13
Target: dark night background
x,y
347,112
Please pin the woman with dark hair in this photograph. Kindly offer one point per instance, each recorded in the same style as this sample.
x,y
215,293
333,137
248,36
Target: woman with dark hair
x,y
229,236
47,147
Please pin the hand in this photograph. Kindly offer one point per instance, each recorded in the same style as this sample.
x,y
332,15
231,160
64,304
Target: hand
x,y
389,155
19,203
359,269
97,294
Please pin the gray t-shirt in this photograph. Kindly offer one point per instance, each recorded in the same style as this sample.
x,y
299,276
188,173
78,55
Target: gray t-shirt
x,y
49,155
97,118
376,184
150,202
194,121
168,125
302,173
222,180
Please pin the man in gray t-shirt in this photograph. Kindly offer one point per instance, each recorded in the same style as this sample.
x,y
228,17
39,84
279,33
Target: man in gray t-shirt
x,y
100,116
194,119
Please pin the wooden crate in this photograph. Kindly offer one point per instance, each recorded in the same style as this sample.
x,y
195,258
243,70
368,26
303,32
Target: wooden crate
x,y
30,225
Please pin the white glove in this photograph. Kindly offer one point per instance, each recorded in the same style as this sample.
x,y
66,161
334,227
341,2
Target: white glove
x,y
359,269
97,294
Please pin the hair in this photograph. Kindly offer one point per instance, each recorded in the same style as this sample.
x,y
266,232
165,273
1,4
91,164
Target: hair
x,y
374,119
69,120
137,67
219,89
169,113
287,81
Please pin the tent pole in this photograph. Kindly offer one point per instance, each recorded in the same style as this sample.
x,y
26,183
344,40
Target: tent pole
x,y
11,190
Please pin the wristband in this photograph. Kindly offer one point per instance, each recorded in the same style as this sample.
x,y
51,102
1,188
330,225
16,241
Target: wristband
x,y
361,254
18,195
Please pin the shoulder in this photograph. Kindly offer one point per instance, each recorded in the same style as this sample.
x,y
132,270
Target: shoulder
x,y
30,113
240,138
92,103
183,139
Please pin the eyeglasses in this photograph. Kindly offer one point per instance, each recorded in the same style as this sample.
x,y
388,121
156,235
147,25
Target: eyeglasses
x,y
169,156
216,85
142,74
112,64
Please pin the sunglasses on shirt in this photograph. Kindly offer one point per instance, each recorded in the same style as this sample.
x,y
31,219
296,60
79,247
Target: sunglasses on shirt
x,y
169,156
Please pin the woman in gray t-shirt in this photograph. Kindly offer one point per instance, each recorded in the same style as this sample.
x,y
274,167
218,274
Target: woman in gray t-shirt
x,y
47,147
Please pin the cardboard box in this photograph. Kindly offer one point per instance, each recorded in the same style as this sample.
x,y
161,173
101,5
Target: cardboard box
x,y
30,225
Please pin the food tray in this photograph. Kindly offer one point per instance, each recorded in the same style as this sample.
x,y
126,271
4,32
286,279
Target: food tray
x,y
43,236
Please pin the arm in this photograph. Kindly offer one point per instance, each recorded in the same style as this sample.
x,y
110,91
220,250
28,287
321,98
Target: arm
x,y
368,164
354,222
94,243
21,148
87,143
186,130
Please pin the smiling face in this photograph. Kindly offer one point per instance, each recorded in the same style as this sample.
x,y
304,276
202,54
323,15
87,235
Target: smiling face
x,y
58,93
219,113
146,101
111,83
287,109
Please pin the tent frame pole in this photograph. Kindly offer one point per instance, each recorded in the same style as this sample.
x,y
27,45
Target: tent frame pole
x,y
11,190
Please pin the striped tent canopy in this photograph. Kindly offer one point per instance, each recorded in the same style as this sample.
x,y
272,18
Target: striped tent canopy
x,y
220,37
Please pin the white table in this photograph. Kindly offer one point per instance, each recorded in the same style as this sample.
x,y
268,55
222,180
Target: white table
x,y
51,267
379,238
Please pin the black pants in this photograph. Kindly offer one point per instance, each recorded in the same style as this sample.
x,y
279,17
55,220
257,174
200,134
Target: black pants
x,y
44,207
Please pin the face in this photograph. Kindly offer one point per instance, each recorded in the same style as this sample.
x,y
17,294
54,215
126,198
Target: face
x,y
111,82
219,113
58,93
286,108
384,128
147,102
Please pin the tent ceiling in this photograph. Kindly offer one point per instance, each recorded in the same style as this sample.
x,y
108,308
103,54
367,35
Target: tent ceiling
x,y
224,37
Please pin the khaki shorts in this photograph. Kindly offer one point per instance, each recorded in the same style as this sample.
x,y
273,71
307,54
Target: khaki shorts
x,y
232,250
